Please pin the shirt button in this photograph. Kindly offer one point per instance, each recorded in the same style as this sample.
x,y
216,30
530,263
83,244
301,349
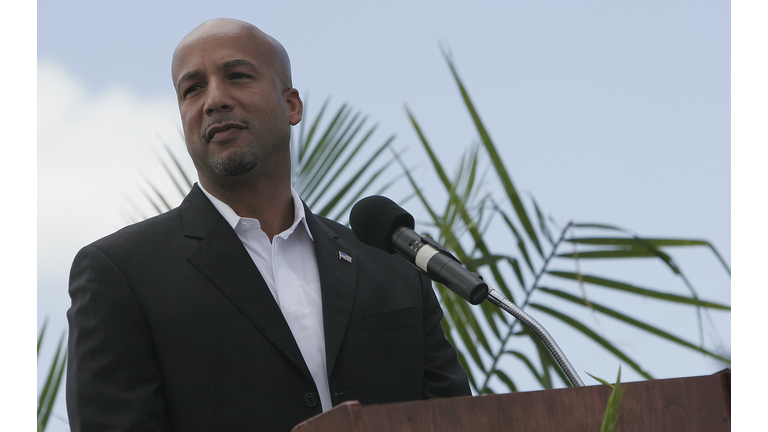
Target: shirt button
x,y
310,400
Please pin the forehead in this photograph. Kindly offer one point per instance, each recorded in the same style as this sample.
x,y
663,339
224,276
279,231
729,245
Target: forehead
x,y
212,49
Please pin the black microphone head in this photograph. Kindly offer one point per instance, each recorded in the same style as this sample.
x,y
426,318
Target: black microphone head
x,y
374,218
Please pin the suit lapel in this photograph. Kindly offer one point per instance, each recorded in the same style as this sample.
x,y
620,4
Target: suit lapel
x,y
338,279
222,258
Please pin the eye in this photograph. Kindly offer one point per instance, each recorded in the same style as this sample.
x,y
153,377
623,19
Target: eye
x,y
238,75
190,89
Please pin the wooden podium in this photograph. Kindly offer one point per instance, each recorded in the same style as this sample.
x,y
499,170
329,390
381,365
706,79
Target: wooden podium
x,y
682,404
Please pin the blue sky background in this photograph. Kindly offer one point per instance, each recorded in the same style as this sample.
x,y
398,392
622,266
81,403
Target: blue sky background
x,y
605,112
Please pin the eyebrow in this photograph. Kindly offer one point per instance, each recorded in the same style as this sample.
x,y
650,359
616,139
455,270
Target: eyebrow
x,y
226,65
186,77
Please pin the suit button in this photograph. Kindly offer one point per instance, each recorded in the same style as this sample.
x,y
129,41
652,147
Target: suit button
x,y
310,400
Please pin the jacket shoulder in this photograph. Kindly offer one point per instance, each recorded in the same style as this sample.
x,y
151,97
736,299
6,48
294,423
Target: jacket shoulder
x,y
149,231
194,217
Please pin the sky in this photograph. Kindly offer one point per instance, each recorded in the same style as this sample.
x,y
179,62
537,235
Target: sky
x,y
605,112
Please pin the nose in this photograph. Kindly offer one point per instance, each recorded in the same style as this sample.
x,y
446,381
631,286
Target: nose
x,y
217,98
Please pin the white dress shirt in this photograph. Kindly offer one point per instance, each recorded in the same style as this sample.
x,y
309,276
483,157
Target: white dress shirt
x,y
289,267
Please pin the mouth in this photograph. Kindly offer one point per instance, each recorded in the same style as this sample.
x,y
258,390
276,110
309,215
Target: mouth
x,y
223,130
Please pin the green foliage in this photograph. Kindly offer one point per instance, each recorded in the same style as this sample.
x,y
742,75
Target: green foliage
x,y
50,389
472,217
614,400
329,171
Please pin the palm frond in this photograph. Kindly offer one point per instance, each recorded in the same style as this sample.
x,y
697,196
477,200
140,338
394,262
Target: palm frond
x,y
50,390
483,334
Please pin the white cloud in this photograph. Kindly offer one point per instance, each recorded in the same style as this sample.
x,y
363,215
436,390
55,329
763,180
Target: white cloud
x,y
92,151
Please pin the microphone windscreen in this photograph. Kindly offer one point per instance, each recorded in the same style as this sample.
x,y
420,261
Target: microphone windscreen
x,y
374,218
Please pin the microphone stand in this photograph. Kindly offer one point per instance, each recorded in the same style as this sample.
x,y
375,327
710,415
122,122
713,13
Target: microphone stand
x,y
470,286
423,252
509,307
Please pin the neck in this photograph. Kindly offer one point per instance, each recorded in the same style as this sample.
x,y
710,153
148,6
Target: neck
x,y
271,204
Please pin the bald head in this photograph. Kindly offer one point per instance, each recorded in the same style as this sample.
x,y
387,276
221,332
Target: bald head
x,y
265,45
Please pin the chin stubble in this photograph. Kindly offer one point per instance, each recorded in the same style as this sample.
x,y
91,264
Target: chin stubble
x,y
235,165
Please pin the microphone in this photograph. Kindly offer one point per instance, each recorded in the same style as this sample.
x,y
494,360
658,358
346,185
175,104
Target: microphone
x,y
379,222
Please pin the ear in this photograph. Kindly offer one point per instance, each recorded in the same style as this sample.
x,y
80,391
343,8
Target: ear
x,y
294,106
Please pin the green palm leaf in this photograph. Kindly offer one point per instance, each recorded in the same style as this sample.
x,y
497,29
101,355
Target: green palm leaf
x,y
611,417
459,206
631,321
50,390
608,283
322,165
591,334
655,242
498,165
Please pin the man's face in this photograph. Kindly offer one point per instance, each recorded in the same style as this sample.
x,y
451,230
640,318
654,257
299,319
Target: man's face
x,y
235,111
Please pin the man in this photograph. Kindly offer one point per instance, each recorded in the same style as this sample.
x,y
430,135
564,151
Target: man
x,y
240,309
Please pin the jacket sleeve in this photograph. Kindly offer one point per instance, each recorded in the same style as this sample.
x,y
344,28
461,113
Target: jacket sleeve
x,y
113,379
443,374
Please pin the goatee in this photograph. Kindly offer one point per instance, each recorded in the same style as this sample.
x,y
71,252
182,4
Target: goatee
x,y
236,164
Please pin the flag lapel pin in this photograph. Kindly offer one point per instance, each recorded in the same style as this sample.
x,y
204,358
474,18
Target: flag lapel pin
x,y
345,257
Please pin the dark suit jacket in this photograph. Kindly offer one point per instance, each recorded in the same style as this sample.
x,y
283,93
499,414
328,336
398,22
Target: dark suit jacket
x,y
173,328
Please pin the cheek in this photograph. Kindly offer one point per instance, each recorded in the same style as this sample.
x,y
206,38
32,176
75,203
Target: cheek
x,y
191,126
187,111
191,132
